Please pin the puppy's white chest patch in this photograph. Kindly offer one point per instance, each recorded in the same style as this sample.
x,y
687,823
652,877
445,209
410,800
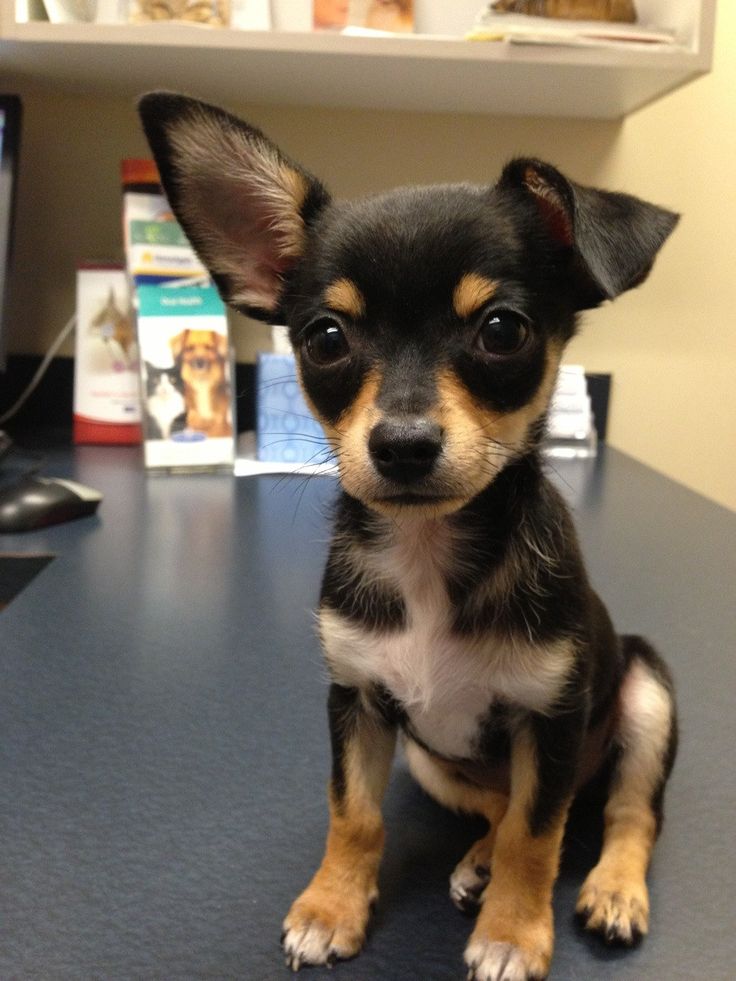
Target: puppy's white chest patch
x,y
446,683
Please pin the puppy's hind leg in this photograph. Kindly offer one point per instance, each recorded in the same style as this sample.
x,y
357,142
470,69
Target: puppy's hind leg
x,y
614,900
473,871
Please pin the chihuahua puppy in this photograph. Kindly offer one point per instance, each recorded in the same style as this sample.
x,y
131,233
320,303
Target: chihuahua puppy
x,y
428,326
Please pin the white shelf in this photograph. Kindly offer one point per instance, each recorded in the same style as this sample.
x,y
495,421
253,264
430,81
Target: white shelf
x,y
412,73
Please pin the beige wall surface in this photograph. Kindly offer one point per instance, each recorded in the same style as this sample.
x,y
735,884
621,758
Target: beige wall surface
x,y
671,345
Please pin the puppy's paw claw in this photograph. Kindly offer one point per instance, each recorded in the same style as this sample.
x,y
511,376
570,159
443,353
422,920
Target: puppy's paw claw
x,y
312,945
490,960
619,915
322,934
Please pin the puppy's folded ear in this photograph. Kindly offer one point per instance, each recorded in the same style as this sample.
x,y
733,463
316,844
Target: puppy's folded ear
x,y
243,205
613,238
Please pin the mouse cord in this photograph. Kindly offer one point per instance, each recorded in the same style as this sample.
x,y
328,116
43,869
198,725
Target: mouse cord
x,y
41,370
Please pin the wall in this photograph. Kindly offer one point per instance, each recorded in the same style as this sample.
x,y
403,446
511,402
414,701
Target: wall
x,y
671,345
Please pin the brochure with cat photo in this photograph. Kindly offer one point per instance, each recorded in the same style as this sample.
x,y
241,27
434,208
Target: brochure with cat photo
x,y
186,378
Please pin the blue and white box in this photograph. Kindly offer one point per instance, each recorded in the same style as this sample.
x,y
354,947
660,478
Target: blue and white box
x,y
286,430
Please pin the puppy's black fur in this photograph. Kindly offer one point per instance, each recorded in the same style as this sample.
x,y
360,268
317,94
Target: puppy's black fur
x,y
428,326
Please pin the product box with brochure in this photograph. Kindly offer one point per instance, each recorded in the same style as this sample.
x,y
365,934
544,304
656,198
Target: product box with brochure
x,y
106,371
186,370
153,357
185,360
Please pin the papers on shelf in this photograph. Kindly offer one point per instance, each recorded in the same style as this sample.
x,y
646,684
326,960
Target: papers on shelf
x,y
523,29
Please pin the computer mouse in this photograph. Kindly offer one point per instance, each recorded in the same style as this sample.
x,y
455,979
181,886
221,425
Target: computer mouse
x,y
36,502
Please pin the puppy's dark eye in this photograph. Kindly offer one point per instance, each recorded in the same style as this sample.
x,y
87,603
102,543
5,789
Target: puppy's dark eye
x,y
502,333
325,342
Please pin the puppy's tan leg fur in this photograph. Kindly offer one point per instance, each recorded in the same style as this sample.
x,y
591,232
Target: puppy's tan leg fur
x,y
328,921
514,937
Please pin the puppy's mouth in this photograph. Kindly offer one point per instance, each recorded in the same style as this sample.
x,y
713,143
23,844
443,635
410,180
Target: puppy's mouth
x,y
415,501
398,506
418,497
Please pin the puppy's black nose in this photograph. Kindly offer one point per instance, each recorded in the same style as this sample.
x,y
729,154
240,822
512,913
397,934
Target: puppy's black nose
x,y
405,450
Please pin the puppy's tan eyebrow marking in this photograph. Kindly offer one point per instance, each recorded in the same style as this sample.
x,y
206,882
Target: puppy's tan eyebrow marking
x,y
471,293
345,297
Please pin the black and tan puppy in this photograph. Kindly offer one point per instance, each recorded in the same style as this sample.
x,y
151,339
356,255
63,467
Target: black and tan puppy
x,y
428,326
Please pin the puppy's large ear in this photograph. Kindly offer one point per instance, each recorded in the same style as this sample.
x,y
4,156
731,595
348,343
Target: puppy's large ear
x,y
613,238
243,205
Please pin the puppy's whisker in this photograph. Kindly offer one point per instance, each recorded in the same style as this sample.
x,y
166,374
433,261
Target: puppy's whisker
x,y
300,437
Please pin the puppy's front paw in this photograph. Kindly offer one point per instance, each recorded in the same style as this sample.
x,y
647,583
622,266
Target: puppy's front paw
x,y
322,928
506,946
617,910
494,960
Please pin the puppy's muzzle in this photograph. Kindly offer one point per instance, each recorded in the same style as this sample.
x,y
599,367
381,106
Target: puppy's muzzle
x,y
405,450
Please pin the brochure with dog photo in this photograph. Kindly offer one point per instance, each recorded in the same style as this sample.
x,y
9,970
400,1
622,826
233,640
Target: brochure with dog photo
x,y
186,377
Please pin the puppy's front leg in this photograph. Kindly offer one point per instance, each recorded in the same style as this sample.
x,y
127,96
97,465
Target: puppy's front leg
x,y
514,936
328,921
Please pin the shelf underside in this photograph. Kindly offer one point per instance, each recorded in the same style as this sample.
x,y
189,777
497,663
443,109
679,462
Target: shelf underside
x,y
418,74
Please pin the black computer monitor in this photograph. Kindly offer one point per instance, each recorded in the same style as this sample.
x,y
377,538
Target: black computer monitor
x,y
10,117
